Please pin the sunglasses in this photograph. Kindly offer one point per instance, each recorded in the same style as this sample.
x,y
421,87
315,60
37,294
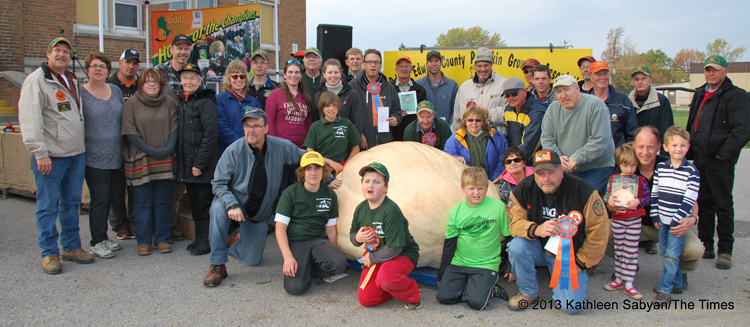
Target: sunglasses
x,y
516,160
473,120
240,76
527,71
293,61
511,95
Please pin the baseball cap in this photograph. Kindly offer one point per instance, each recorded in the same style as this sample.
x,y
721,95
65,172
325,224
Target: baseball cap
x,y
311,157
313,50
483,55
376,167
599,65
545,159
403,58
59,40
589,58
254,113
259,52
512,85
716,61
181,38
434,53
641,69
564,80
425,105
190,68
531,62
130,54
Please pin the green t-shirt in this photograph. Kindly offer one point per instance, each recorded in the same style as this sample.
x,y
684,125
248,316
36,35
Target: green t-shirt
x,y
390,225
478,230
333,140
306,213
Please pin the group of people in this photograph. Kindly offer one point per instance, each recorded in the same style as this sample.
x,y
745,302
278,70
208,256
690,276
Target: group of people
x,y
264,156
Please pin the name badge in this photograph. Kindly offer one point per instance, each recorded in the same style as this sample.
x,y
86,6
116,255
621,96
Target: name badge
x,y
63,106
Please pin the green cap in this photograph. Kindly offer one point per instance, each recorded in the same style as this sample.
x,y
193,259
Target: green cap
x,y
64,40
259,52
641,69
716,61
425,105
313,50
376,167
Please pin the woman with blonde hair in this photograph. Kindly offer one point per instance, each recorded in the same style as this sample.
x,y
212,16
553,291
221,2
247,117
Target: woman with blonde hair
x,y
232,104
477,146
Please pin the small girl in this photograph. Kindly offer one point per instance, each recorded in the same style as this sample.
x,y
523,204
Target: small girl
x,y
631,193
334,137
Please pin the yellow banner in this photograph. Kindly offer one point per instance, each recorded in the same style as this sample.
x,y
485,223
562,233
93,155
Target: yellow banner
x,y
220,34
459,64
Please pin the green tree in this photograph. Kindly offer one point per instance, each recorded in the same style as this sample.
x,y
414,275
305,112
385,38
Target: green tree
x,y
402,47
469,37
682,61
723,48
661,66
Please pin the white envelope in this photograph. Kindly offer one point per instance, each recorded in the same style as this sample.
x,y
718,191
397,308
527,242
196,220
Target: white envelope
x,y
383,120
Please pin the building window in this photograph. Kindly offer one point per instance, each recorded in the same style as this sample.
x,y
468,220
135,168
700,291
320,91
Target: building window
x,y
192,4
127,15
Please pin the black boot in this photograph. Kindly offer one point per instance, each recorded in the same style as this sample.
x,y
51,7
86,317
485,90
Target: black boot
x,y
198,233
204,247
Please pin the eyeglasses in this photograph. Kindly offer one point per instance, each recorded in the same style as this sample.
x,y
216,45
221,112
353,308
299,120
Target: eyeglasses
x,y
240,76
102,66
190,79
527,71
585,67
511,95
373,62
150,82
640,79
474,120
516,160
293,61
404,66
253,127
260,63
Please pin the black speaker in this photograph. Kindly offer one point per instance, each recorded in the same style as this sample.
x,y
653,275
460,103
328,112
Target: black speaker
x,y
334,40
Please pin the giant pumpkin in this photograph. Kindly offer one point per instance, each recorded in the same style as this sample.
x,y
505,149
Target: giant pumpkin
x,y
425,183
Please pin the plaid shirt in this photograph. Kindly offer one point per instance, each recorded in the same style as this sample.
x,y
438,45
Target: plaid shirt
x,y
172,77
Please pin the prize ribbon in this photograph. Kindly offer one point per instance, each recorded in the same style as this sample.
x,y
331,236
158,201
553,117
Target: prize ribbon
x,y
374,89
471,103
429,138
369,247
564,275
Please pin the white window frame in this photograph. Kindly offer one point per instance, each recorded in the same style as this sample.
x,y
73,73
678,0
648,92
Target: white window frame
x,y
126,29
193,4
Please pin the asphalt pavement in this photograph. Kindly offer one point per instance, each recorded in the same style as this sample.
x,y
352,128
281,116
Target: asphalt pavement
x,y
167,289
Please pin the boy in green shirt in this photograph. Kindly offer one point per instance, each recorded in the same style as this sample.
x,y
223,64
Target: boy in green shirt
x,y
306,227
471,252
378,219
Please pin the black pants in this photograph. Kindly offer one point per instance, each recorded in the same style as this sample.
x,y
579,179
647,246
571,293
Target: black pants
x,y
102,184
315,259
716,205
465,284
120,216
200,195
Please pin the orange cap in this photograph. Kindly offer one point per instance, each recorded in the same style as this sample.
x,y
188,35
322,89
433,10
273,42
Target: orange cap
x,y
403,58
599,65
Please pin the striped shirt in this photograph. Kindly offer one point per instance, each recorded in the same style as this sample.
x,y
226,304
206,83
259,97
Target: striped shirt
x,y
674,192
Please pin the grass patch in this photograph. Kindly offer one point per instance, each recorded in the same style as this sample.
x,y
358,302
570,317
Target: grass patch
x,y
681,117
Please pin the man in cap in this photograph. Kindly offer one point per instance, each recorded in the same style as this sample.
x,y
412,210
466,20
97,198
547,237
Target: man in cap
x,y
427,129
404,83
441,90
543,85
523,115
180,49
246,183
621,112
584,64
312,77
577,128
652,108
484,90
120,218
536,212
719,126
49,110
261,85
528,72
353,60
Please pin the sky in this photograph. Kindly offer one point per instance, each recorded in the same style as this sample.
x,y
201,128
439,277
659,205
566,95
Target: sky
x,y
656,24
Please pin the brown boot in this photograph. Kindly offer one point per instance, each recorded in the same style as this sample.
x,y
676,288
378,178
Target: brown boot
x,y
144,250
520,302
215,274
233,239
51,265
78,256
164,248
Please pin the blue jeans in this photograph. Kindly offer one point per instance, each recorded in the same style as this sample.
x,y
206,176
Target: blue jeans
x,y
671,248
151,219
525,256
249,250
597,177
58,194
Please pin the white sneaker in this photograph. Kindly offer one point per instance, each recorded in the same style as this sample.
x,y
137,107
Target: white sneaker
x,y
101,250
112,245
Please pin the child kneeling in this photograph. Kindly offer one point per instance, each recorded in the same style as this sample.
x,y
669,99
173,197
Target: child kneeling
x,y
471,252
306,227
379,222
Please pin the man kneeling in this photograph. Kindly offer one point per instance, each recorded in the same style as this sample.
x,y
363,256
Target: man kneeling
x,y
306,227
533,211
471,253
